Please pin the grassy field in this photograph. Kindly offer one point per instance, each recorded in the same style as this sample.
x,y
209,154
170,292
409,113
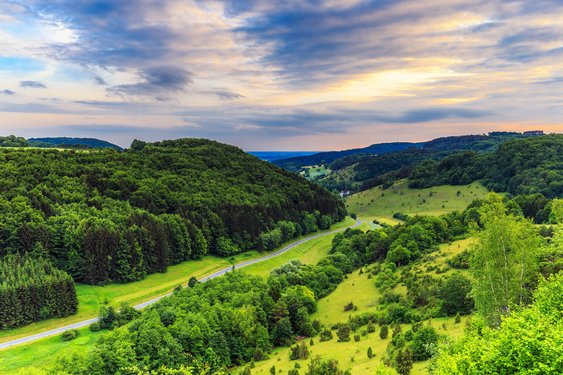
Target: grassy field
x,y
357,289
382,204
352,355
42,353
360,290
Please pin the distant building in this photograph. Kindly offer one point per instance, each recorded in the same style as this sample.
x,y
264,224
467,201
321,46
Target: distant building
x,y
534,132
344,193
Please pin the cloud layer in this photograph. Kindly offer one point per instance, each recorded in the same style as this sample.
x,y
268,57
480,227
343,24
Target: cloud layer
x,y
303,74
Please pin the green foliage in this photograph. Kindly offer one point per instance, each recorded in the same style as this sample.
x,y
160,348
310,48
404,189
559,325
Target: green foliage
x,y
319,366
423,343
343,332
504,261
456,295
529,341
522,166
384,332
32,290
107,216
70,335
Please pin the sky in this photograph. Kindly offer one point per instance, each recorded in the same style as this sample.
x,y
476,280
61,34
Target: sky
x,y
279,75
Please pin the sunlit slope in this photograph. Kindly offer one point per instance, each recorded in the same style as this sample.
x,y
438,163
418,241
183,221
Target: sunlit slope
x,y
382,204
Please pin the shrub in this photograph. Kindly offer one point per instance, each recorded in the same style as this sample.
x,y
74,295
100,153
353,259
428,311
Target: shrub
x,y
326,335
95,327
343,333
384,332
69,335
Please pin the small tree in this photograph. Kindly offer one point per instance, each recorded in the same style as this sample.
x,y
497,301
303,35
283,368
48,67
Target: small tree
x,y
371,327
326,335
343,333
384,332
273,370
370,353
192,282
403,362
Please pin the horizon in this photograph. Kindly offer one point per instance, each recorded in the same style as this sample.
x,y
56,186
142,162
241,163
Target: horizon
x,y
279,76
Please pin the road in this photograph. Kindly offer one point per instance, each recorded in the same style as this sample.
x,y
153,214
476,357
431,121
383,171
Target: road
x,y
214,275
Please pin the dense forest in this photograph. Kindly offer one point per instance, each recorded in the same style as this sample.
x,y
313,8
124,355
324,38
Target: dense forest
x,y
237,319
524,166
341,159
116,216
360,171
32,290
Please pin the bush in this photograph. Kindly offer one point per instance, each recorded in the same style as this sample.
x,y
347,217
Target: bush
x,y
349,306
69,335
326,335
384,332
356,338
95,327
343,333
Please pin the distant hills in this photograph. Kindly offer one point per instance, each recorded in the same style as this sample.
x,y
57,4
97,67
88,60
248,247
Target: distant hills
x,y
56,142
383,163
73,142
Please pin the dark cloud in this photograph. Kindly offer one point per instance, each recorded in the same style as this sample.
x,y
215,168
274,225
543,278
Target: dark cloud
x,y
100,81
7,92
432,114
111,34
32,85
224,94
527,45
155,80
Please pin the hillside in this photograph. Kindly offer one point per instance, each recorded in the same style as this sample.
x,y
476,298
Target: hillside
x,y
295,163
118,216
358,171
522,166
68,142
383,204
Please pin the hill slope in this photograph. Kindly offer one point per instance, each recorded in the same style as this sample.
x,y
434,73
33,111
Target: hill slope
x,y
118,216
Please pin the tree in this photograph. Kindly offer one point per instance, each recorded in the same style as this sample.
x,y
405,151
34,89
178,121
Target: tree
x,y
343,332
424,339
504,259
383,332
527,341
456,295
403,361
192,282
370,353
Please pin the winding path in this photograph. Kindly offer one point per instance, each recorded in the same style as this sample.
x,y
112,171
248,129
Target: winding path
x,y
142,305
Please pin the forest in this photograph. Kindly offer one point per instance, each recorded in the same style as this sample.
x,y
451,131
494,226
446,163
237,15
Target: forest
x,y
107,216
238,319
455,160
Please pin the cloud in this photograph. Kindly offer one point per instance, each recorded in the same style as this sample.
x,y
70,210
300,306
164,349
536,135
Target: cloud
x,y
7,92
224,94
32,85
155,80
100,81
432,114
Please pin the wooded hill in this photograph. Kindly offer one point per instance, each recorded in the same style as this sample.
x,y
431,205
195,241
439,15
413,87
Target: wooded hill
x,y
104,215
506,162
56,142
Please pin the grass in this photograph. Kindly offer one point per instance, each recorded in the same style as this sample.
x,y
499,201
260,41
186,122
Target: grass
x,y
315,171
357,289
380,204
43,352
352,355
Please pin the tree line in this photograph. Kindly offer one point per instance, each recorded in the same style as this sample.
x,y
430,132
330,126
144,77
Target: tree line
x,y
32,290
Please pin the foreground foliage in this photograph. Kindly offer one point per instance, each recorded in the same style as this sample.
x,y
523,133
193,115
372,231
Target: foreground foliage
x,y
529,341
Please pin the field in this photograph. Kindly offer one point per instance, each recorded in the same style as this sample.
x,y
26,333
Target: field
x,y
380,204
43,352
360,290
352,355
